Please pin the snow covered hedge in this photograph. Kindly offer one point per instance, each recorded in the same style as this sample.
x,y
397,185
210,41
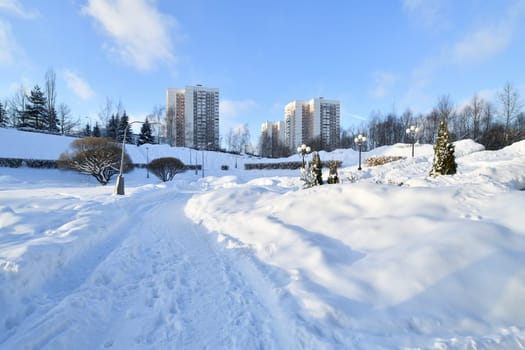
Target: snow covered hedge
x,y
166,168
283,165
31,163
381,160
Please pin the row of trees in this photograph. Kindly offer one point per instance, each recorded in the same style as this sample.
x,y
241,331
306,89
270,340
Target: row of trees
x,y
493,125
38,109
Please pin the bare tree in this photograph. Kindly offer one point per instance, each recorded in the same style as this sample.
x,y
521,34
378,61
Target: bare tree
x,y
445,107
17,107
120,110
488,116
98,157
160,125
51,95
105,112
169,122
511,106
477,105
67,124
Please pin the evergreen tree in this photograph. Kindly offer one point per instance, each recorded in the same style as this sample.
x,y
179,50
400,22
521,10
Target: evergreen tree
x,y
112,127
145,134
308,176
87,130
333,178
3,116
96,130
444,159
317,168
124,128
52,120
36,113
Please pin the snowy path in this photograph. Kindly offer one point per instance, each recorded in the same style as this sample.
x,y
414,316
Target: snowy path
x,y
156,284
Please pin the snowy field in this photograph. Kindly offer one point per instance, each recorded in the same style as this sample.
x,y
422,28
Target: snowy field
x,y
388,259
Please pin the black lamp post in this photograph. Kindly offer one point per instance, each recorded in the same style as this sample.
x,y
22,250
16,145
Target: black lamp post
x,y
360,140
147,162
119,187
412,131
303,150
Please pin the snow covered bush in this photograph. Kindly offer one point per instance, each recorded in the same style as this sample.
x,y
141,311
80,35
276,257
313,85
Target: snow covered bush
x,y
333,178
95,156
444,159
166,168
317,168
381,160
308,176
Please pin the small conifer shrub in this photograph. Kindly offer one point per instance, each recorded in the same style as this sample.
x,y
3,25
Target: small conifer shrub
x,y
333,178
308,176
444,159
317,168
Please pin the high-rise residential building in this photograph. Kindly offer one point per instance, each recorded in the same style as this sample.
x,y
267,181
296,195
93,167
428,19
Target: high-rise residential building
x,y
327,123
272,140
192,117
312,122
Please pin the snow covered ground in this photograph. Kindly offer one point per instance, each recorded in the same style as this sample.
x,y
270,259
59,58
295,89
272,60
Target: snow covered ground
x,y
388,259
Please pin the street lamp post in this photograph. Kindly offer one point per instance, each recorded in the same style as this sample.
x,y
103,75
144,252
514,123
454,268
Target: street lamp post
x,y
303,150
202,151
119,187
360,140
147,162
412,131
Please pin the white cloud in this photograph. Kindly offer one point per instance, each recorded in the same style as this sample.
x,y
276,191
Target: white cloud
x,y
230,111
429,13
489,40
139,34
482,44
8,46
230,108
79,86
12,6
10,52
383,83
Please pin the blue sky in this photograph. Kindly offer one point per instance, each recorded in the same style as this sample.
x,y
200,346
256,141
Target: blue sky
x,y
378,55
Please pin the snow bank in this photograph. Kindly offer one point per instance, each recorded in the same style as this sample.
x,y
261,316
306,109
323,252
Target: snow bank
x,y
400,266
388,259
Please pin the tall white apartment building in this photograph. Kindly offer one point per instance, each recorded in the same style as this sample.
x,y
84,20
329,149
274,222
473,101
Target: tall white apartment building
x,y
272,139
295,120
192,117
315,121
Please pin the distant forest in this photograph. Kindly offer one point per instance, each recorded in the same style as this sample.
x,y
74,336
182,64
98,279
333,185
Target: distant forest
x,y
494,124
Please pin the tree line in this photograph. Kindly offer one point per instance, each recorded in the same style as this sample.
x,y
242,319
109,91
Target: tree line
x,y
494,125
37,110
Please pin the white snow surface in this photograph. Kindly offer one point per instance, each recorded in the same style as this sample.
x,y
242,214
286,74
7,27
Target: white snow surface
x,y
390,258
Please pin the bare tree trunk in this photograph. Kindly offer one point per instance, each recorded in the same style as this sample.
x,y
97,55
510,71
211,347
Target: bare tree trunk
x,y
511,105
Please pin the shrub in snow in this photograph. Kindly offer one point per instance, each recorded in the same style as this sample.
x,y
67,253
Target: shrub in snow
x,y
444,159
166,168
317,168
380,160
333,178
95,156
308,176
11,162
